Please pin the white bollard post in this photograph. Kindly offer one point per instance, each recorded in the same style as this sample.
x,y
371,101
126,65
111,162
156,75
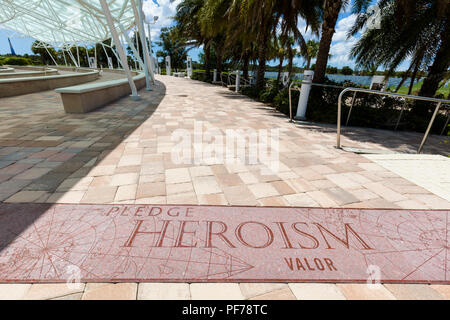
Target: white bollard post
x,y
189,67
215,76
238,80
168,71
304,95
155,63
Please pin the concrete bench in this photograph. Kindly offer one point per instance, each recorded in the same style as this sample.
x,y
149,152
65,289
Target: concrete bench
x,y
91,96
18,86
13,74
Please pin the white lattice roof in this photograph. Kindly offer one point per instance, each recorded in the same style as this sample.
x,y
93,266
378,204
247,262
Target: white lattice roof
x,y
62,22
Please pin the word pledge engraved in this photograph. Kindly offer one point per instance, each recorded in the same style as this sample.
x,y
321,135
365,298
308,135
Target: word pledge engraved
x,y
214,243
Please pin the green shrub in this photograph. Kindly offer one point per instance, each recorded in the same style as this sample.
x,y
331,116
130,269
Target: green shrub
x,y
17,61
195,76
281,101
251,92
346,70
268,94
369,110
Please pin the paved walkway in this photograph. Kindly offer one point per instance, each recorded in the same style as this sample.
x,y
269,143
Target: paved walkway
x,y
224,291
121,154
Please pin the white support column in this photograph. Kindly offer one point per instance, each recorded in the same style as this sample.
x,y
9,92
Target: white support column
x,y
95,56
78,56
138,15
123,57
119,63
168,66
50,55
108,58
141,31
72,57
64,55
154,69
87,56
138,48
131,44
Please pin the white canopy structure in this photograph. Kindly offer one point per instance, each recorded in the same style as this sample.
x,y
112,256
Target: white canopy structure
x,y
67,23
62,22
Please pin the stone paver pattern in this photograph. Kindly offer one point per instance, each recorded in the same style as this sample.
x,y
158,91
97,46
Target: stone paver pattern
x,y
122,154
49,156
431,172
221,291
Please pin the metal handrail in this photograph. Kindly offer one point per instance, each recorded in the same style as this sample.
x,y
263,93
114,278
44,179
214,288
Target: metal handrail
x,y
230,78
383,93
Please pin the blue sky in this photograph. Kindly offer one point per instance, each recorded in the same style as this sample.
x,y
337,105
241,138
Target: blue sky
x,y
165,9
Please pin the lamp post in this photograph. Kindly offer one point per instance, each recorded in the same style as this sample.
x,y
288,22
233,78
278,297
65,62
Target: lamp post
x,y
149,19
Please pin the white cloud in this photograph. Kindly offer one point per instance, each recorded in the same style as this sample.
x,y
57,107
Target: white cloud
x,y
165,11
343,26
341,46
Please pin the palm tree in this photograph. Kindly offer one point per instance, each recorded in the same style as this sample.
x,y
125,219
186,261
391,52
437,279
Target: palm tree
x,y
214,24
331,10
417,30
188,22
278,52
256,17
262,17
312,49
292,53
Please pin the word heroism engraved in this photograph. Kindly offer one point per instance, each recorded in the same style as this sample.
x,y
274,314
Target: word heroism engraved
x,y
40,242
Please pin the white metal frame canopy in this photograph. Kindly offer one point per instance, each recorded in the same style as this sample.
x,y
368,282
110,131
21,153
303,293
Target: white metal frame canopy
x,y
66,23
63,22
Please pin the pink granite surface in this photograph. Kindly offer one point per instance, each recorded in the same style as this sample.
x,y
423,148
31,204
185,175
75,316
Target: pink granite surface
x,y
54,242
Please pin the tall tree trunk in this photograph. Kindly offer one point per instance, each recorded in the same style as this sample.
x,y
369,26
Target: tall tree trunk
x,y
291,61
207,50
436,72
413,76
308,63
262,54
330,16
246,63
280,68
219,55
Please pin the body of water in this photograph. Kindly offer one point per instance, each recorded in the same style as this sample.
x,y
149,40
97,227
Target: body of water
x,y
361,80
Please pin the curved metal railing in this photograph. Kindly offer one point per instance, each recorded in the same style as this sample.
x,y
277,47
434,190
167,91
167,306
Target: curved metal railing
x,y
390,94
